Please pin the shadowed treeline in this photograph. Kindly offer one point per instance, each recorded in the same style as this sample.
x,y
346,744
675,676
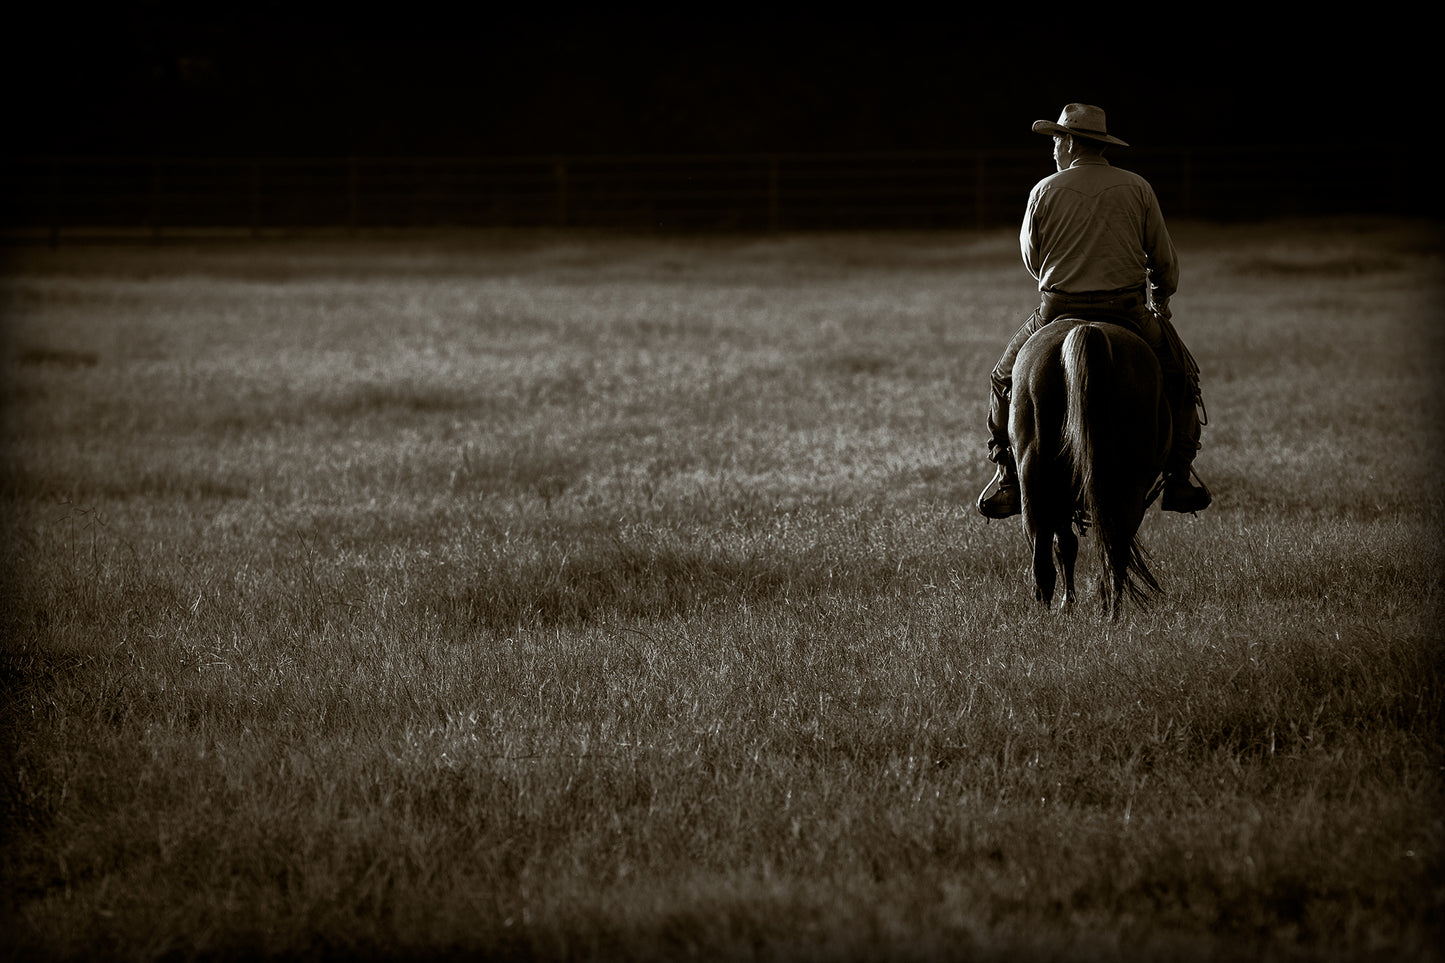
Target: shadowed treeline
x,y
160,78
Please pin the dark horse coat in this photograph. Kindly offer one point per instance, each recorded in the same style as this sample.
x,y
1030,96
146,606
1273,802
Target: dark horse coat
x,y
1089,427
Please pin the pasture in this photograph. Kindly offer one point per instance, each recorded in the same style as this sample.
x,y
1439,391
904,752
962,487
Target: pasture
x,y
556,596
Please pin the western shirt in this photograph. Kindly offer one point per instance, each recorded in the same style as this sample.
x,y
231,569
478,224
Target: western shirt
x,y
1094,227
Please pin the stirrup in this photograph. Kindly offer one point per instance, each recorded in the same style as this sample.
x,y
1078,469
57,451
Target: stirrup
x,y
1005,502
1183,497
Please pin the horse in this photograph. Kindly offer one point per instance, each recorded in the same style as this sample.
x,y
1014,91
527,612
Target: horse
x,y
1090,427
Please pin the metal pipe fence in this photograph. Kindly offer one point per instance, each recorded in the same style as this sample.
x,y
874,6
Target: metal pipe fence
x,y
58,197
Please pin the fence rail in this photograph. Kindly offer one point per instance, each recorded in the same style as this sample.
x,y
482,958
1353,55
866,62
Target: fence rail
x,y
67,196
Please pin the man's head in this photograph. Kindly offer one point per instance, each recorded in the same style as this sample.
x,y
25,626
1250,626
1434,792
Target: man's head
x,y
1072,147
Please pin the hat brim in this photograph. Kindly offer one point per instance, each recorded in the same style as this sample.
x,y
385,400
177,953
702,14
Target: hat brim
x,y
1051,128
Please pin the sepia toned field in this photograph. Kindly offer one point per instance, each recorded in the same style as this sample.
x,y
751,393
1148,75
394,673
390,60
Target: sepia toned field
x,y
557,596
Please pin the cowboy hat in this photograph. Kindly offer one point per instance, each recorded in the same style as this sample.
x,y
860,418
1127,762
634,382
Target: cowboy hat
x,y
1081,120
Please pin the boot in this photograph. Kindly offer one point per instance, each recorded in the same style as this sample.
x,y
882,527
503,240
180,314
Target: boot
x,y
1181,495
1004,502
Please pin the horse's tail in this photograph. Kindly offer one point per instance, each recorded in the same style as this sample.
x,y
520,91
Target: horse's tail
x,y
1097,450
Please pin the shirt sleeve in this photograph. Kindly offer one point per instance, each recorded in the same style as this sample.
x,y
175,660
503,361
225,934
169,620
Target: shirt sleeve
x,y
1162,261
1029,237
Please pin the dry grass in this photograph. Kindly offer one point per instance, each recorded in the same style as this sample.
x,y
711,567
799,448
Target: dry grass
x,y
560,597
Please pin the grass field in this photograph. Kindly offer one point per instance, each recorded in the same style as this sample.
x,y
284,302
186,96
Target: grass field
x,y
564,597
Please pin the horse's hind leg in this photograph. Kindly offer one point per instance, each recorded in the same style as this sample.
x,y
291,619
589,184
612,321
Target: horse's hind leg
x,y
1044,575
1037,525
1067,554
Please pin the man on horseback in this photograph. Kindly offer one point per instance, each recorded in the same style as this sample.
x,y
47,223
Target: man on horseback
x,y
1094,238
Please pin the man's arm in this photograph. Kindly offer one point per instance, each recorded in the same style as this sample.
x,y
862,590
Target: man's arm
x,y
1029,237
1161,260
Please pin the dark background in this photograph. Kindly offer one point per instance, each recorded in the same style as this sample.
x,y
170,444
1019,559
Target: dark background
x,y
276,79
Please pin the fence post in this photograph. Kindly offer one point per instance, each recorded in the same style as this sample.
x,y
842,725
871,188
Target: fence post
x,y
1186,187
255,199
351,194
155,203
53,204
773,199
559,173
980,191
